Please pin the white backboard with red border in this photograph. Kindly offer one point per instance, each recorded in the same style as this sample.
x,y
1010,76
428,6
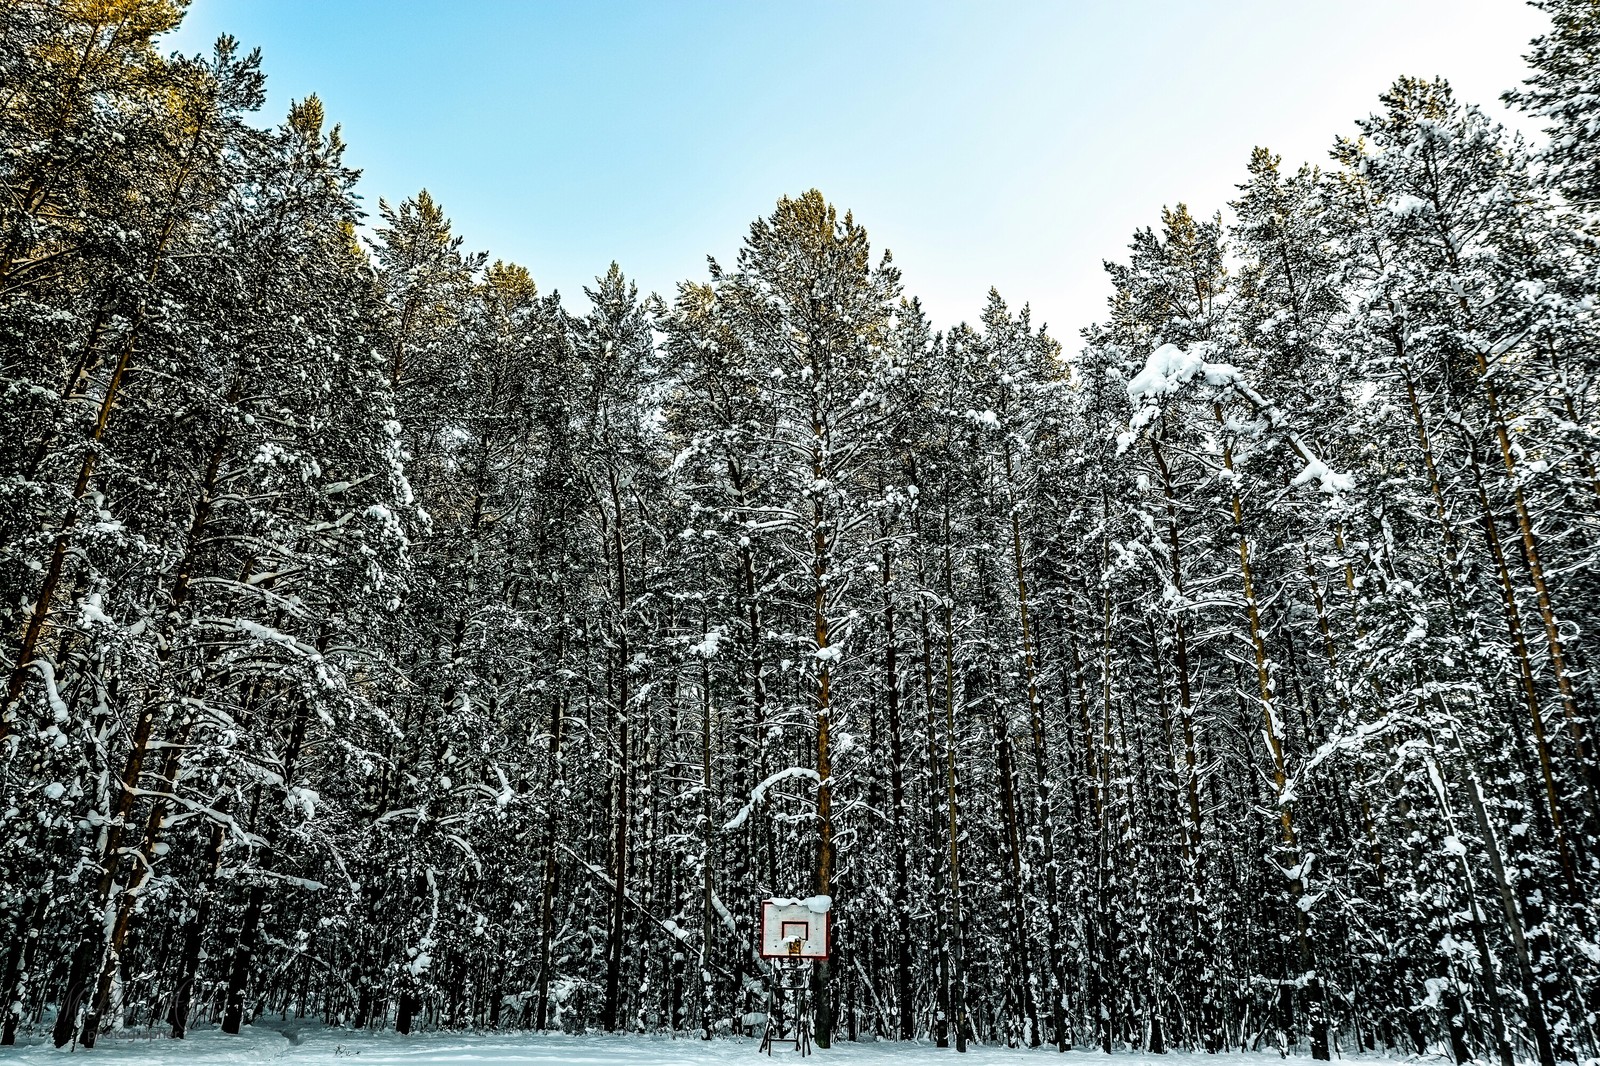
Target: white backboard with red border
x,y
795,928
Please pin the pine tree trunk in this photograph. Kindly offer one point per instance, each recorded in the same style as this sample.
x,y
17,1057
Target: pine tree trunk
x,y
1480,941
555,785
820,575
707,843
1020,998
1044,815
935,831
1274,735
1554,800
1555,647
616,929
1193,846
1533,999
19,961
193,934
79,990
40,611
244,950
1103,1001
250,923
897,805
124,905
958,1006
115,925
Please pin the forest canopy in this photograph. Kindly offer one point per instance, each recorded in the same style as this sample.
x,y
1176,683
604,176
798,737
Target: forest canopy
x,y
390,643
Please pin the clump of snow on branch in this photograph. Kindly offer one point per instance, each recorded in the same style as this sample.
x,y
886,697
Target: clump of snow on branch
x,y
759,793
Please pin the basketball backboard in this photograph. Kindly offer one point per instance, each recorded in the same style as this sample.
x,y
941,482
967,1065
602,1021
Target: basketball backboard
x,y
795,928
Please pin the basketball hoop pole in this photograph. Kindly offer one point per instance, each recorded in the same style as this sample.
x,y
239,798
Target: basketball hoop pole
x,y
794,934
789,1006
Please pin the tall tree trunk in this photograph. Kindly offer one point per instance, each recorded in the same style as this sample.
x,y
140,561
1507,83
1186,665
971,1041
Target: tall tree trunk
x,y
1180,632
1554,799
193,934
121,910
1532,993
1044,814
958,1004
821,572
622,783
92,937
935,829
1274,734
1480,941
40,612
233,1010
897,803
19,961
1555,646
555,783
708,925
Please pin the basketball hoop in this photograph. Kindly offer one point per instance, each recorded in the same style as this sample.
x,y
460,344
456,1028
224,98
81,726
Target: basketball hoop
x,y
795,928
794,933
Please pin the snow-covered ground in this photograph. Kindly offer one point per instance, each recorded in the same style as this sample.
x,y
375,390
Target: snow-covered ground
x,y
291,1044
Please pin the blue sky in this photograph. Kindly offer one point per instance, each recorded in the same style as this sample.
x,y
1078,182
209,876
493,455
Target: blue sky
x,y
1014,145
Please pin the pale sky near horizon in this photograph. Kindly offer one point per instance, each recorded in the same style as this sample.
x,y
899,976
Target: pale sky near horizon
x,y
1014,145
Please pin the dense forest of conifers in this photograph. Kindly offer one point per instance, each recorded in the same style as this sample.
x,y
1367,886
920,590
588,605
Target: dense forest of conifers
x,y
389,643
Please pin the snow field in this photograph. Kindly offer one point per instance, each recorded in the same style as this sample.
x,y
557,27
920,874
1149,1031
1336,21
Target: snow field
x,y
289,1043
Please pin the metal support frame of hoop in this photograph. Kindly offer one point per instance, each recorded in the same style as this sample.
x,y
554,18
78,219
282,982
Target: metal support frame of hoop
x,y
789,1006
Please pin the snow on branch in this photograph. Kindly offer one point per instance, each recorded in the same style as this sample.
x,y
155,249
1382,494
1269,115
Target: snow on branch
x,y
759,793
47,673
1170,368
